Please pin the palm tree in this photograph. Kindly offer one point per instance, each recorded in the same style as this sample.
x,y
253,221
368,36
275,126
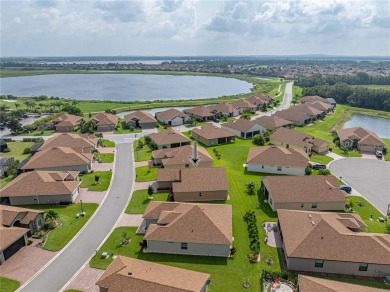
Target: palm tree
x,y
41,106
74,102
52,215
17,105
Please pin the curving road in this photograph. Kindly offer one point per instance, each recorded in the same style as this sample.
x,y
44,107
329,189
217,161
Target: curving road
x,y
55,275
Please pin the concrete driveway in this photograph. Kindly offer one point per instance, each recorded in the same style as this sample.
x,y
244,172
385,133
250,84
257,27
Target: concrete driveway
x,y
369,177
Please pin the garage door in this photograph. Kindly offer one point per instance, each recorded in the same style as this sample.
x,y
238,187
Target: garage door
x,y
14,248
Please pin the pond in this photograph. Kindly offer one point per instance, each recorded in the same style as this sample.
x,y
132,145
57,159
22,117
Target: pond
x,y
381,126
123,87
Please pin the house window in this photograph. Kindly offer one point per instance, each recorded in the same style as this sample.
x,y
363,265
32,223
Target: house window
x,y
262,166
363,267
270,201
279,168
319,263
302,205
39,222
314,205
184,245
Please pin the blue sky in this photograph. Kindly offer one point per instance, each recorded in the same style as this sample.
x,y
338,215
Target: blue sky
x,y
174,27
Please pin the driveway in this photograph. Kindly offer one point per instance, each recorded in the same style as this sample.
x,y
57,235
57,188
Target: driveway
x,y
369,177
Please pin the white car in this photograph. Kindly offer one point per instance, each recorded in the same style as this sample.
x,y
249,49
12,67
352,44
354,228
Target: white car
x,y
378,153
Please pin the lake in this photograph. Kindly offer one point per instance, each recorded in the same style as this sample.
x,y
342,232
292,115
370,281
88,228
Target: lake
x,y
123,87
380,126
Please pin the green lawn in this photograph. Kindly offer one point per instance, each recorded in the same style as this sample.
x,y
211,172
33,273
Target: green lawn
x,y
60,236
108,143
140,200
320,158
105,157
143,154
89,181
17,150
8,285
365,211
4,181
145,173
387,142
122,130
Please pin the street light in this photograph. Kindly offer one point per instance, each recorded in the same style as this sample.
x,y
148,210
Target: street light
x,y
82,211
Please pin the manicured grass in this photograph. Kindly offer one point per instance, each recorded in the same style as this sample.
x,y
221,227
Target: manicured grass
x,y
4,181
365,212
105,157
17,150
362,282
140,200
60,236
387,155
89,181
8,285
321,158
122,130
143,154
145,173
108,143
40,133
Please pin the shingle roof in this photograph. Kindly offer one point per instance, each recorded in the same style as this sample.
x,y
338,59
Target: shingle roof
x,y
208,131
74,141
312,98
276,155
327,236
169,137
105,119
223,108
241,125
127,274
180,155
302,189
296,138
312,284
168,174
9,235
39,183
170,114
57,157
319,105
272,122
243,103
201,111
71,120
142,117
308,109
293,114
363,135
200,223
8,214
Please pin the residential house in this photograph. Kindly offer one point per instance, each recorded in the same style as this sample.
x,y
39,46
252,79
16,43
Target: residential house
x,y
3,145
59,158
128,274
299,141
194,184
202,113
277,159
41,187
64,123
35,147
226,109
211,135
21,217
180,157
105,122
314,113
143,120
294,115
192,229
322,242
79,143
309,99
12,240
243,128
322,106
242,104
273,122
332,102
169,139
5,162
361,139
259,100
318,192
172,117
311,284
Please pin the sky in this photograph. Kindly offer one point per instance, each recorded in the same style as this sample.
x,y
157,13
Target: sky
x,y
194,27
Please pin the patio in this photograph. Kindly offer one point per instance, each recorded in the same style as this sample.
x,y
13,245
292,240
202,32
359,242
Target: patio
x,y
272,234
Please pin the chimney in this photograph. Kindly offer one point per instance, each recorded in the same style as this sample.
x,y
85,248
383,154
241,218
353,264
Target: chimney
x,y
310,216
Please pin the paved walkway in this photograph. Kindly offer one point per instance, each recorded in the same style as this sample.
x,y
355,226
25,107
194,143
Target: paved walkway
x,y
85,281
145,185
273,236
106,149
143,163
89,196
334,155
130,220
96,166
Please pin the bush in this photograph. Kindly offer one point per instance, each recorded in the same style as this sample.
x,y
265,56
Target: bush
x,y
308,170
258,140
250,219
27,150
324,171
6,150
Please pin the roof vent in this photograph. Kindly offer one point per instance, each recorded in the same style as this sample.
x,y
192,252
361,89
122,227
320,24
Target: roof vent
x,y
313,223
129,273
310,216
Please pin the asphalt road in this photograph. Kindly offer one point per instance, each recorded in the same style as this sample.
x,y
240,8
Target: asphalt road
x,y
7,132
370,177
62,269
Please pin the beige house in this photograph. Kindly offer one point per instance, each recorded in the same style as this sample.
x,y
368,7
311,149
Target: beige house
x,y
315,98
313,112
42,187
325,107
226,109
202,113
317,192
169,139
294,115
312,284
105,122
128,274
64,123
277,159
59,159
143,120
259,100
361,139
332,243
243,104
79,143
299,141
194,184
243,128
21,217
12,240
211,135
180,157
273,122
192,229
172,117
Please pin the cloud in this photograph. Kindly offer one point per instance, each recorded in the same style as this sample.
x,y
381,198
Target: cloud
x,y
120,11
169,5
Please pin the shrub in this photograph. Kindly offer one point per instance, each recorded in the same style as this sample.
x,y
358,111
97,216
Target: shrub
x,y
324,171
27,150
250,219
258,140
6,150
308,170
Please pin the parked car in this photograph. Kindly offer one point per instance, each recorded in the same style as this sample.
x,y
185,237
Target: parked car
x,y
346,188
318,166
378,153
216,120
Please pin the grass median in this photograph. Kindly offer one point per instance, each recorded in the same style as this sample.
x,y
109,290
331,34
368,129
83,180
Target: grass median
x,y
8,285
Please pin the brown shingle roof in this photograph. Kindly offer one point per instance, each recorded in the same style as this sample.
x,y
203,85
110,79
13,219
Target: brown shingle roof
x,y
127,274
323,235
65,119
319,105
293,114
105,119
180,155
168,174
318,188
272,122
363,135
201,111
313,98
57,157
312,284
169,137
308,109
243,103
200,223
276,155
223,108
38,183
170,114
208,131
292,137
8,214
142,117
241,125
75,141
9,235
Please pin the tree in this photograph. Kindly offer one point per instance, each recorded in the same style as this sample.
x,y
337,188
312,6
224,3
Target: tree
x,y
97,179
17,105
251,187
264,108
14,125
73,110
246,116
52,215
345,151
258,140
192,120
150,190
140,144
